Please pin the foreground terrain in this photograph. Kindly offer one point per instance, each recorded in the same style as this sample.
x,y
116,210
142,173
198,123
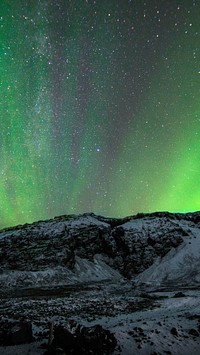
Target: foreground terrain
x,y
136,277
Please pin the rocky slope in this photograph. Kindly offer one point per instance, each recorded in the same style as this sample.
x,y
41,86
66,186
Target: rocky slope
x,y
85,248
119,286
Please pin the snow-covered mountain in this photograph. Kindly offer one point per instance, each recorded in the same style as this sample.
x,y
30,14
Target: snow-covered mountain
x,y
130,285
157,249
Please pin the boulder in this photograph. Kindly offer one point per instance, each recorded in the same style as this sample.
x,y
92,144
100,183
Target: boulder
x,y
78,339
15,333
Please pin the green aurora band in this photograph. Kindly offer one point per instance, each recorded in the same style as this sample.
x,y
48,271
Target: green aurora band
x,y
99,108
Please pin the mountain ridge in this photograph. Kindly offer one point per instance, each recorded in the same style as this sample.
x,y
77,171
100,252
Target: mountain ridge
x,y
121,220
87,247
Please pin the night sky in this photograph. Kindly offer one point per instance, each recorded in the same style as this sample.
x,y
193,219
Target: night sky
x,y
99,107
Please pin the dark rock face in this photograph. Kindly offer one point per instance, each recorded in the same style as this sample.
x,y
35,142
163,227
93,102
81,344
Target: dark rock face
x,y
129,245
179,295
194,332
138,244
52,244
15,333
174,331
78,339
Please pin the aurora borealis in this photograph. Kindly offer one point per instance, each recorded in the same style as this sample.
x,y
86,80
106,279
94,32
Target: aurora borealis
x,y
99,107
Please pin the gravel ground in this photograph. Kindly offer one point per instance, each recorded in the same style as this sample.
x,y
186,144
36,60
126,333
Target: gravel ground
x,y
143,323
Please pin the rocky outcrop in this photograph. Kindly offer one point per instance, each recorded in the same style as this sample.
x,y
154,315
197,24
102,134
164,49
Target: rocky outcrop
x,y
58,250
77,339
52,243
139,243
15,333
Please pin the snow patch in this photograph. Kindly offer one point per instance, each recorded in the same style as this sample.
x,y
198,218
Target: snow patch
x,y
181,264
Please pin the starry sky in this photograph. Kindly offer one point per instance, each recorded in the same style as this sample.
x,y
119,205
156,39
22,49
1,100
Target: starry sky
x,y
99,107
